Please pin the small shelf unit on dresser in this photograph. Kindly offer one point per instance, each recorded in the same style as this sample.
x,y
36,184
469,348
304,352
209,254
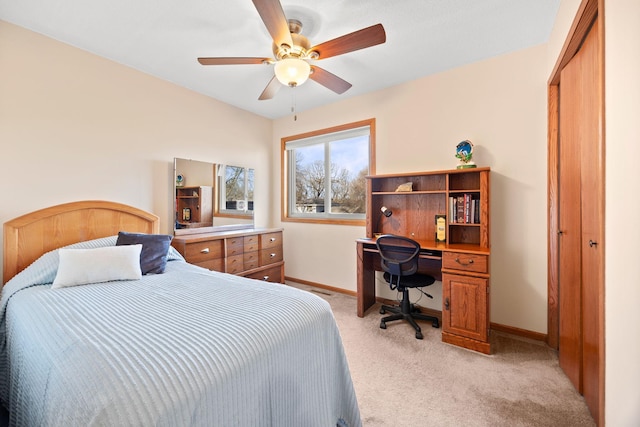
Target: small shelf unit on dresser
x,y
254,253
462,195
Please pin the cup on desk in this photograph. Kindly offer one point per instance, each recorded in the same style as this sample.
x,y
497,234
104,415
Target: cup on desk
x,y
376,235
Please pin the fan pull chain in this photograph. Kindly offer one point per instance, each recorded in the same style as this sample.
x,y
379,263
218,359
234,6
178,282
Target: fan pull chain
x,y
293,104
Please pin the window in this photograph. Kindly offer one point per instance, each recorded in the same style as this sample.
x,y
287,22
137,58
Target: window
x,y
324,173
235,189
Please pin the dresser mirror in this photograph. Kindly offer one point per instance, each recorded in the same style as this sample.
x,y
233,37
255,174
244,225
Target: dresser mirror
x,y
212,197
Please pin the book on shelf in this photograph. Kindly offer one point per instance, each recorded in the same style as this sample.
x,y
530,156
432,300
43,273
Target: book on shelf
x,y
472,215
475,209
452,210
467,208
460,209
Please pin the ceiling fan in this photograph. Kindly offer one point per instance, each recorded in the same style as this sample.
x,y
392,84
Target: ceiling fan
x,y
292,51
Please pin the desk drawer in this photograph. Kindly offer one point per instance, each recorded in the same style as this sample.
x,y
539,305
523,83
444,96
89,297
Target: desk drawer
x,y
204,251
465,262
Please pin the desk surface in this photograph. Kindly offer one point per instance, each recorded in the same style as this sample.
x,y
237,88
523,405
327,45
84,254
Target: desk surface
x,y
439,246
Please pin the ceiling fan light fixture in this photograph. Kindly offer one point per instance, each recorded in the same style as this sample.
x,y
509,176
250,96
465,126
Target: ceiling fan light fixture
x,y
292,71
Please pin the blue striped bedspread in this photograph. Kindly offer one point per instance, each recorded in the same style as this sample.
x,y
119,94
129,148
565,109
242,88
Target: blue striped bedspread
x,y
189,347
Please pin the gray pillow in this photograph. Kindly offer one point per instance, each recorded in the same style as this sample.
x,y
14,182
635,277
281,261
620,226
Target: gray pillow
x,y
153,258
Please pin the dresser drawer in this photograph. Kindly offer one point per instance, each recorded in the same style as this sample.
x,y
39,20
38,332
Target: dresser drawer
x,y
273,274
235,246
235,264
216,264
251,260
465,262
270,240
197,252
251,243
271,255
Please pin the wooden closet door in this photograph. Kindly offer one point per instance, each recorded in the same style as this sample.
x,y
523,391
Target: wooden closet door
x,y
580,223
592,223
569,219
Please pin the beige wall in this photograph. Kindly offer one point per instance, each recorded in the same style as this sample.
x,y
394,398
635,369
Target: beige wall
x,y
500,105
75,126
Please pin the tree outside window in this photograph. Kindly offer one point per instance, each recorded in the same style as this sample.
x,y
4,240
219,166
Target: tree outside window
x,y
235,190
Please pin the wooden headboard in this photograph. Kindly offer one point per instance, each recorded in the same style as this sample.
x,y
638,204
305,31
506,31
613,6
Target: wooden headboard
x,y
27,237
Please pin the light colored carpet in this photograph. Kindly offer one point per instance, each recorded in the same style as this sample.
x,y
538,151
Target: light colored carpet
x,y
402,381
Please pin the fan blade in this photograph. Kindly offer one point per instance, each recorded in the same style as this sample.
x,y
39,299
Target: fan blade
x,y
357,40
232,61
270,91
328,80
274,19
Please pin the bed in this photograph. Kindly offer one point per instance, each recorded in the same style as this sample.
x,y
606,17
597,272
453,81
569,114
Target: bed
x,y
187,347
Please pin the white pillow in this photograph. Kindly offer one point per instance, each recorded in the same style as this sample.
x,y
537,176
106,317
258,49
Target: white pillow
x,y
83,266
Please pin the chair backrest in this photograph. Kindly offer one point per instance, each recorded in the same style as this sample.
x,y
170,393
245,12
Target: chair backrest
x,y
399,254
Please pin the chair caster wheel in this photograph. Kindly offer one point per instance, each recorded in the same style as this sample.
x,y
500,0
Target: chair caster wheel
x,y
435,325
382,311
383,325
419,335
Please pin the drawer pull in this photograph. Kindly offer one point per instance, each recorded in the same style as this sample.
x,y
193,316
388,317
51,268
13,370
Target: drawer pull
x,y
265,278
204,251
462,263
446,303
273,239
272,255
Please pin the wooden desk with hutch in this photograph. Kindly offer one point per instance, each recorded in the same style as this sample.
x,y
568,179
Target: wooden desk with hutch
x,y
462,262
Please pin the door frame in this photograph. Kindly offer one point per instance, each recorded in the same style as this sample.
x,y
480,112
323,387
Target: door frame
x,y
588,11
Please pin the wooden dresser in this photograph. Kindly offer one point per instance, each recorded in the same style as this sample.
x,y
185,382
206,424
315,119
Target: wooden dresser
x,y
254,253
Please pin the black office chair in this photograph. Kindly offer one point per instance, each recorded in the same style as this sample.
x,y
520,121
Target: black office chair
x,y
400,265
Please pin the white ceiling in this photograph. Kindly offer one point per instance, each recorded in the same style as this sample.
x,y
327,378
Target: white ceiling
x,y
164,37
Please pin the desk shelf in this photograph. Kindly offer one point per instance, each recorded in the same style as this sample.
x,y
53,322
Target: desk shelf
x,y
413,212
466,291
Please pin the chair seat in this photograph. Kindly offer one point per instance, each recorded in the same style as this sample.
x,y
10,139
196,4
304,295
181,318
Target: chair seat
x,y
414,281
